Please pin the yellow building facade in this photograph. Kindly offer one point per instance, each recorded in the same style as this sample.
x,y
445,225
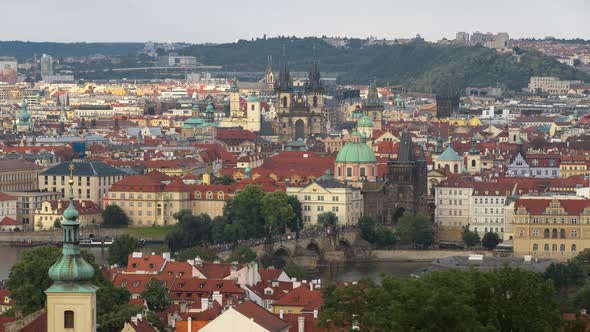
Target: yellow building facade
x,y
557,227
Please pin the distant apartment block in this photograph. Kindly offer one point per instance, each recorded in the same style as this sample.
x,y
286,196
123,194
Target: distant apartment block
x,y
550,84
8,67
174,60
499,41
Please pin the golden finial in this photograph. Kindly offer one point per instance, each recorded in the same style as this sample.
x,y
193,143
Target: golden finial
x,y
71,168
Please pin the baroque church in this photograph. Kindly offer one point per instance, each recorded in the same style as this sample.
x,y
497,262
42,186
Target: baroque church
x,y
300,115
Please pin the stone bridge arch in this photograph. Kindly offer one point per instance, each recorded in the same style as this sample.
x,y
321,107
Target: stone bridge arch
x,y
314,247
282,252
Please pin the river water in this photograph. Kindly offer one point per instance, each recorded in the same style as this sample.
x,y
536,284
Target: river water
x,y
342,271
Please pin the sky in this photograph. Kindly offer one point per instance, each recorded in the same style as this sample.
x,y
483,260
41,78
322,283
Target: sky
x,y
199,21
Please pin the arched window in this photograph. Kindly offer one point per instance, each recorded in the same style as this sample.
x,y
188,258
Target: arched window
x,y
546,233
554,233
456,169
68,319
209,195
284,101
574,248
220,195
562,233
546,247
554,247
535,247
252,107
315,101
562,248
473,163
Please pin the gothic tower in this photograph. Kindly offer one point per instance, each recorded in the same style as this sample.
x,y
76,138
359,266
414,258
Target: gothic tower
x,y
269,77
234,101
314,93
474,157
373,107
71,300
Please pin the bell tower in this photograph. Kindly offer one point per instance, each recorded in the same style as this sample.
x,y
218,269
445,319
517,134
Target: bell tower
x,y
234,100
71,300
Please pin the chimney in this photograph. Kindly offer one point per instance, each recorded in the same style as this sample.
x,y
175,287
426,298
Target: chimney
x,y
311,286
204,303
281,314
300,324
198,261
218,297
190,324
315,313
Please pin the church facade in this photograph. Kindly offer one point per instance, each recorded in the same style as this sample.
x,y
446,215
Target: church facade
x,y
300,115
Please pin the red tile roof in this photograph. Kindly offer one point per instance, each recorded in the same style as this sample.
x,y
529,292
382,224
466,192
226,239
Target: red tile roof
x,y
149,263
7,221
535,206
216,270
6,197
302,296
5,293
269,274
261,316
135,283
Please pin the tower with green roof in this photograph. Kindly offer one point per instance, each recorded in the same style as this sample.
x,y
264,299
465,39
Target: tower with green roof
x,y
24,123
373,107
474,157
356,162
71,300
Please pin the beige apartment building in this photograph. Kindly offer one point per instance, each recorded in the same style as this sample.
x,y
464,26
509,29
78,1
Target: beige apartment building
x,y
329,195
29,201
550,84
147,200
18,175
92,180
551,227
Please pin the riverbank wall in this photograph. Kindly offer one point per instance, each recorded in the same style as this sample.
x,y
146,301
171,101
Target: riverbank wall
x,y
54,236
419,255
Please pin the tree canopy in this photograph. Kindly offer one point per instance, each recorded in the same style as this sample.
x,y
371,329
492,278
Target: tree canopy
x,y
415,229
470,238
156,295
507,299
242,254
114,216
490,240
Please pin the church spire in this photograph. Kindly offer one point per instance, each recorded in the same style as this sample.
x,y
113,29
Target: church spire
x,y
284,84
474,149
372,95
314,82
71,268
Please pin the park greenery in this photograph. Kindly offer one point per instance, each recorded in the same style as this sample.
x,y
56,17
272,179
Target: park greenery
x,y
506,299
114,216
490,240
156,295
470,238
251,214
29,279
415,230
376,233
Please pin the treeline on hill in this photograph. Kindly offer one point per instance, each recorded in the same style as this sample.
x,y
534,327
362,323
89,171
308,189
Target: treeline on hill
x,y
25,50
419,65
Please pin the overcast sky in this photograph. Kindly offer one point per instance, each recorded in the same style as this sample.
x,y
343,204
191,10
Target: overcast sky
x,y
228,20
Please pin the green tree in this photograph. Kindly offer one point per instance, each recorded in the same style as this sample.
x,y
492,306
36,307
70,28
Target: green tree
x,y
189,231
416,230
156,295
277,211
114,216
225,180
120,249
57,223
293,270
208,255
583,258
295,224
114,320
490,240
367,228
566,276
470,238
244,214
242,254
28,278
450,300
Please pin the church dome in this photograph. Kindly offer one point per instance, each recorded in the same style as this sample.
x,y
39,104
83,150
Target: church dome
x,y
253,98
71,268
194,121
365,121
210,108
356,151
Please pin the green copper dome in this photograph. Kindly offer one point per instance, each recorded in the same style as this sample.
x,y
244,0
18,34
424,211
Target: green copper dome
x,y
365,121
210,108
253,98
193,121
449,155
356,151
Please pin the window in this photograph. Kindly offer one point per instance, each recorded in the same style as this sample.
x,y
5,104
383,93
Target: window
x,y
562,248
535,232
335,198
320,208
307,198
348,171
574,248
573,233
320,198
334,209
68,319
546,233
554,247
535,247
520,232
546,247
306,208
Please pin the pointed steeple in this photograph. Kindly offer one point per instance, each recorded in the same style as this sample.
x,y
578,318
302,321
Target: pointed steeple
x,y
372,95
234,86
285,84
439,145
71,268
314,81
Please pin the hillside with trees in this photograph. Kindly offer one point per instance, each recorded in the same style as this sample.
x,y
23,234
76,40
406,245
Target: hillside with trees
x,y
23,50
419,65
